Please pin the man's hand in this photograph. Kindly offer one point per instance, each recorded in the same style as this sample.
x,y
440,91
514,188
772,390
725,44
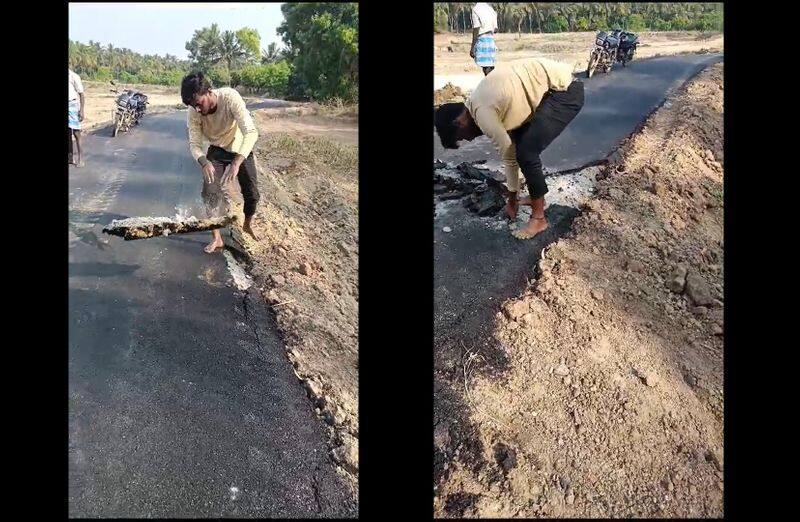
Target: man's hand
x,y
208,172
230,173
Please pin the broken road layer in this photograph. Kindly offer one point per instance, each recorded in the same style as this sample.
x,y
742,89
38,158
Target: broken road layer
x,y
147,227
483,189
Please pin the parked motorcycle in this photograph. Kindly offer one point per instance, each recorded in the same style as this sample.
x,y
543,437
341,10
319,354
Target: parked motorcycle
x,y
627,46
129,109
611,47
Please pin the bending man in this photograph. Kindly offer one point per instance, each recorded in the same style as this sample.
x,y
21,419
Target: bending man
x,y
522,107
221,117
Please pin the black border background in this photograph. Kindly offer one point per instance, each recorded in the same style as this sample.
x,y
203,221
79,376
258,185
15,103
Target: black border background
x,y
396,256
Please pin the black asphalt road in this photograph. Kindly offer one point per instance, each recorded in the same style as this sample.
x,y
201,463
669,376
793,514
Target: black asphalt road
x,y
181,400
615,104
476,267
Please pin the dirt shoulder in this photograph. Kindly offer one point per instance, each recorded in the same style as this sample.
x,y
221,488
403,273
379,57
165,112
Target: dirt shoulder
x,y
452,62
611,404
100,101
306,259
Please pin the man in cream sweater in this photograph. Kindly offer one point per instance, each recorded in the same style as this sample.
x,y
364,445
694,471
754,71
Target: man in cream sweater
x,y
521,107
221,117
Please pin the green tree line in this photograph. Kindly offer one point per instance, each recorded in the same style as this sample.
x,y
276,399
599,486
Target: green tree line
x,y
320,59
546,17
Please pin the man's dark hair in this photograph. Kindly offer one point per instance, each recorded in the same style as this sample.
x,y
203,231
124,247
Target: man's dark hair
x,y
194,83
445,122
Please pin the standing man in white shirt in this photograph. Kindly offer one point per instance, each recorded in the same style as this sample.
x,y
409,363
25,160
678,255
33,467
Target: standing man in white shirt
x,y
484,24
75,104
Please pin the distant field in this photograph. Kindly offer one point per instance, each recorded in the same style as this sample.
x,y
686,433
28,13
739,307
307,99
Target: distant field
x,y
451,51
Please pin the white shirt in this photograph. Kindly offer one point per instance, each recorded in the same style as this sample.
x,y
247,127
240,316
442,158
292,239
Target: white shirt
x,y
484,18
75,85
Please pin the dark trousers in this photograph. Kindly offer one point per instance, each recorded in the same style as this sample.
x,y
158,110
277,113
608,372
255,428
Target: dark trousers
x,y
247,176
555,111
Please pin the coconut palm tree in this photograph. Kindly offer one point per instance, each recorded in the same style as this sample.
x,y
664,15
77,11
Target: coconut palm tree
x,y
229,49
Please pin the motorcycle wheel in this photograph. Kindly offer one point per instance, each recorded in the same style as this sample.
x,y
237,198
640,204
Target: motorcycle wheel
x,y
591,67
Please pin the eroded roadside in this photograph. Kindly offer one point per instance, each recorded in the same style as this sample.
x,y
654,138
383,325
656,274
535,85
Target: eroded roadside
x,y
305,263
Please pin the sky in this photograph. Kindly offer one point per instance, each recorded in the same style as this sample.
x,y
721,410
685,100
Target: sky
x,y
164,28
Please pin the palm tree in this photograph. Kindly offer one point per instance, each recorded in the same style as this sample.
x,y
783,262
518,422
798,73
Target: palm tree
x,y
271,54
229,49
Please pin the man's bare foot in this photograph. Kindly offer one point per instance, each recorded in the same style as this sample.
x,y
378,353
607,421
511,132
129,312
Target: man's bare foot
x,y
247,228
80,164
214,245
526,201
534,226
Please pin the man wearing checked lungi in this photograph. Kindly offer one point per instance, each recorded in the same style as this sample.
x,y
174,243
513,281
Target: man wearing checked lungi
x,y
75,101
484,24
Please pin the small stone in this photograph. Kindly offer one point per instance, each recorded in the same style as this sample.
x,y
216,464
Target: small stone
x,y
598,294
699,311
304,268
567,380
313,388
634,266
697,289
441,436
516,309
569,498
677,280
278,280
447,229
562,370
717,330
615,194
346,455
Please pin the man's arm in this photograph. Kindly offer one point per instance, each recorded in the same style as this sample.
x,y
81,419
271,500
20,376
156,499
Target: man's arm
x,y
246,125
249,131
486,118
476,26
195,131
78,85
196,138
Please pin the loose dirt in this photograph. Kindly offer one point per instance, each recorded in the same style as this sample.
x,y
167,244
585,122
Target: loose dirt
x,y
611,402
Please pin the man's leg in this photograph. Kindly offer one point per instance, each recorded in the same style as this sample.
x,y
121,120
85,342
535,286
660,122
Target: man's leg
x,y
80,162
70,149
248,182
555,111
213,198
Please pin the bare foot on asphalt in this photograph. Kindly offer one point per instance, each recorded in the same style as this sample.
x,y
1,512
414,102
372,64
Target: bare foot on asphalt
x,y
213,246
534,226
